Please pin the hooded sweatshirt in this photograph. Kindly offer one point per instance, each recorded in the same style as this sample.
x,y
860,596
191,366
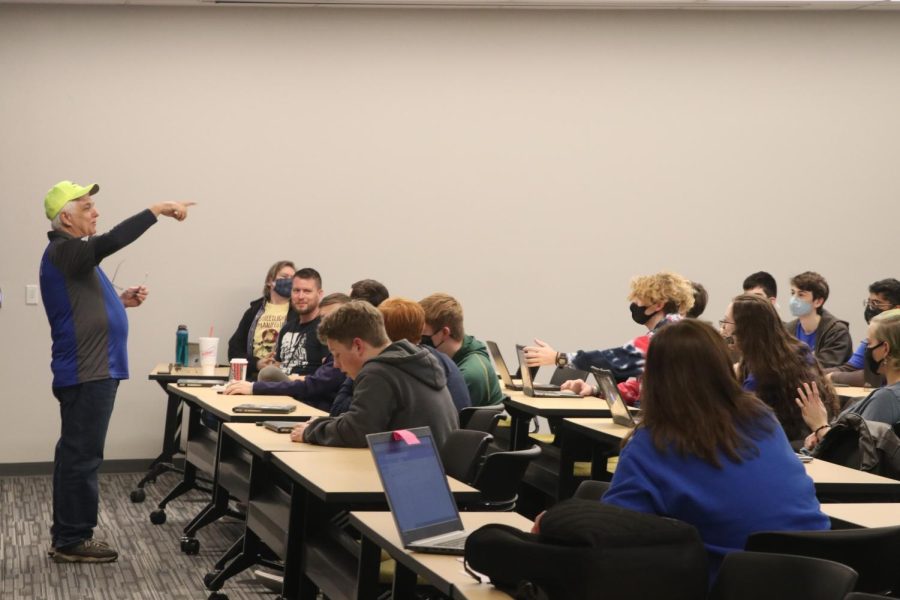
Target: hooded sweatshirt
x,y
478,371
833,344
402,387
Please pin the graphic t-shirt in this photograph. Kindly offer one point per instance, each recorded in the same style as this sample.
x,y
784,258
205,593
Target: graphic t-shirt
x,y
267,327
299,350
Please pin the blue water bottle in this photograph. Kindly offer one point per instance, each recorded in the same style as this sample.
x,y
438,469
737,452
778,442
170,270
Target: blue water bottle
x,y
181,346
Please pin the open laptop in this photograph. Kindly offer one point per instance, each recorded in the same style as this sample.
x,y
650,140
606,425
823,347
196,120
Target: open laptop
x,y
610,392
505,375
528,384
418,493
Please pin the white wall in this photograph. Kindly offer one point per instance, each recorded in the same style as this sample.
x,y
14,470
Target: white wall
x,y
528,162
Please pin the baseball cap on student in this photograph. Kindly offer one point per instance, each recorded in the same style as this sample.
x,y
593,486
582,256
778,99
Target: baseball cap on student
x,y
64,192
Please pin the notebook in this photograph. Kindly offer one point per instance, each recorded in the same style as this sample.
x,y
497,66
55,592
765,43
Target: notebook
x,y
610,392
418,493
281,426
504,372
528,384
265,408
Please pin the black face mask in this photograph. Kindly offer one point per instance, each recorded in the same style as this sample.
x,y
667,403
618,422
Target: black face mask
x,y
283,286
870,359
427,341
638,315
871,313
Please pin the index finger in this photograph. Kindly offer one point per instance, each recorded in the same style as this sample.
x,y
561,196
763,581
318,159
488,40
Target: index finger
x,y
189,204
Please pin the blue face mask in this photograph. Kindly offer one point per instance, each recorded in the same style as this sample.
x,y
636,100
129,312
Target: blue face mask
x,y
283,286
800,308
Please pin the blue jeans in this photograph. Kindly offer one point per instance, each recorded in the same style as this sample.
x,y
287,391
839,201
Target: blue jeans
x,y
85,410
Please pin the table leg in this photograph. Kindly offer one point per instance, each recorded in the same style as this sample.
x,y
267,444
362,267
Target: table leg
x,y
369,567
404,583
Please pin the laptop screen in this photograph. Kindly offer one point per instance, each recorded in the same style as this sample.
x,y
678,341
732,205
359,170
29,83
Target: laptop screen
x,y
527,381
415,485
610,392
502,369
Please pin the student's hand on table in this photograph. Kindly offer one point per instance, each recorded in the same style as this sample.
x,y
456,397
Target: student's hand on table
x,y
134,296
828,376
295,377
265,361
176,210
579,386
239,387
297,432
811,408
539,354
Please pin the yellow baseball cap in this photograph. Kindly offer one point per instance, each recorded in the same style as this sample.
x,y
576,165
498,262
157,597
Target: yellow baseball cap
x,y
63,193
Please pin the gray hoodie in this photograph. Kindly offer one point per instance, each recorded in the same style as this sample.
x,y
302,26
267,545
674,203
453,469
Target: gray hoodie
x,y
402,387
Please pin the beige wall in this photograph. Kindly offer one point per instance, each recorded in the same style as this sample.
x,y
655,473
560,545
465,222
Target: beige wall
x,y
528,162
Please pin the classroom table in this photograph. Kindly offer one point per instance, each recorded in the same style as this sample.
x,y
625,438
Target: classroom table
x,y
851,393
834,483
601,438
298,504
443,572
861,514
164,374
201,449
522,409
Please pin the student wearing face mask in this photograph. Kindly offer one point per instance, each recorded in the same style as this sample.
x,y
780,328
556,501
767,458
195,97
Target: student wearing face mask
x,y
884,295
828,336
256,334
883,405
656,301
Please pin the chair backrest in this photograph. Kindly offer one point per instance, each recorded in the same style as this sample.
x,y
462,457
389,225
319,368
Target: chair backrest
x,y
499,477
874,553
562,375
591,489
462,452
756,575
480,419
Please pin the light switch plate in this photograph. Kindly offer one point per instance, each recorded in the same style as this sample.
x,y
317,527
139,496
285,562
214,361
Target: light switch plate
x,y
31,294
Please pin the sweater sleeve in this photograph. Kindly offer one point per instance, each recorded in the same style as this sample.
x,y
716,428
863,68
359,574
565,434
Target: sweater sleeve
x,y
370,412
631,486
317,389
883,407
624,361
77,256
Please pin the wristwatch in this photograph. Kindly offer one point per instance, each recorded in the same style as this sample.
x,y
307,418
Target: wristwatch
x,y
562,360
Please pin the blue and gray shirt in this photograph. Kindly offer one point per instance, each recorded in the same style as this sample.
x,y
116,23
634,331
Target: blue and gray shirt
x,y
88,324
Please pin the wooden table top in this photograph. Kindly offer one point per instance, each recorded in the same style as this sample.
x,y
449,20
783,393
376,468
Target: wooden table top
x,y
824,473
598,429
222,406
443,571
345,473
863,514
174,372
853,392
262,441
558,407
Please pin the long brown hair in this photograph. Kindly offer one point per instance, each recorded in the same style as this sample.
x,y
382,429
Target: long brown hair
x,y
779,362
692,401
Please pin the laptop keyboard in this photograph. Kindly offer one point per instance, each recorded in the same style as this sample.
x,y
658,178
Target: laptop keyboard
x,y
459,543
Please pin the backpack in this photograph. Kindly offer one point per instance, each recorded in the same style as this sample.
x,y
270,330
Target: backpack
x,y
588,550
868,446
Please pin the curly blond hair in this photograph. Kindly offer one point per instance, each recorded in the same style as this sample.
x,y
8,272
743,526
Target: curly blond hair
x,y
671,288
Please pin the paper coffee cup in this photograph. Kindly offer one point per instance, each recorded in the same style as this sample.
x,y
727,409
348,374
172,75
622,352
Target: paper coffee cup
x,y
238,369
209,351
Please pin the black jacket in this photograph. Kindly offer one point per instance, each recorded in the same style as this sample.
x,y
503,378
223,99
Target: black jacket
x,y
239,344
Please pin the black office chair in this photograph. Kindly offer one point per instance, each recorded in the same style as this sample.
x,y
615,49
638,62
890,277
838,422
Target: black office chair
x,y
874,553
499,478
480,418
757,575
462,453
591,489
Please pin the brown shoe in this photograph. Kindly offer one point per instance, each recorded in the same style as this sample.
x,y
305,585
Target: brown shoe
x,y
90,551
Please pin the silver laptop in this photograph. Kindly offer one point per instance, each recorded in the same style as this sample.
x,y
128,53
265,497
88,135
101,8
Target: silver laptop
x,y
418,493
505,375
610,392
528,384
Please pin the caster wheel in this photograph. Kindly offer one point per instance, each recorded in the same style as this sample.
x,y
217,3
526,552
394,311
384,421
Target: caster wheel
x,y
218,596
190,545
138,495
158,516
208,579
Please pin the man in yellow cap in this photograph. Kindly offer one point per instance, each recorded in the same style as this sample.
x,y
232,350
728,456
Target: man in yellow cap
x,y
89,330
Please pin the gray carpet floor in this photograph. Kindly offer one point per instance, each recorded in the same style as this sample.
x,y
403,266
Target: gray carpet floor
x,y
151,564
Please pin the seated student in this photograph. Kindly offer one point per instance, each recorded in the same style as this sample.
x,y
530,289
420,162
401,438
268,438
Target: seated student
x,y
255,336
828,336
396,385
404,320
884,295
298,351
320,389
883,405
773,363
763,285
369,290
715,457
656,301
701,297
444,331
